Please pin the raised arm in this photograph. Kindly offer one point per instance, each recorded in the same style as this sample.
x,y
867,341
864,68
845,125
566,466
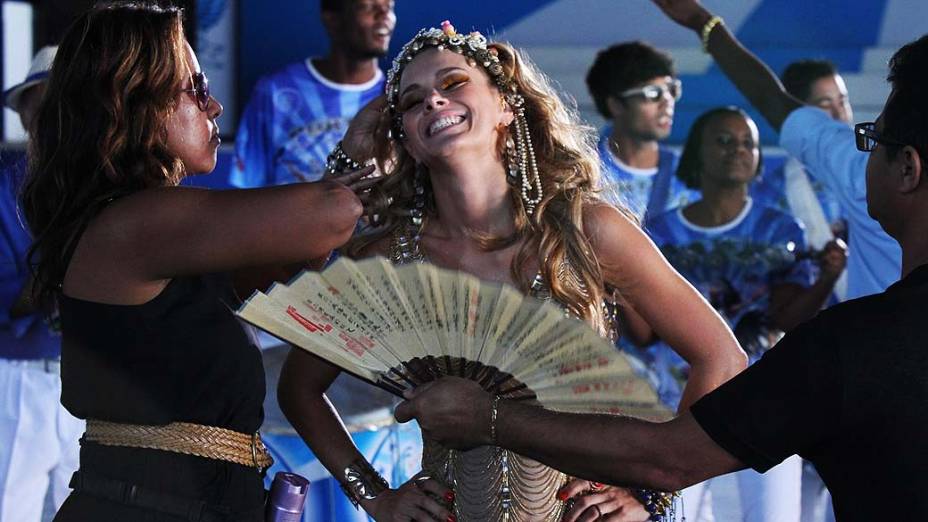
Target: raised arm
x,y
670,306
750,75
140,241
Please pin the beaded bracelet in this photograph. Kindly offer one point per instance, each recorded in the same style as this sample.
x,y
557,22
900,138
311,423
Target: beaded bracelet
x,y
338,162
707,30
362,482
659,504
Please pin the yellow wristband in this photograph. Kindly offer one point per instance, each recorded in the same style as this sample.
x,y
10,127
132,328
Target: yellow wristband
x,y
707,30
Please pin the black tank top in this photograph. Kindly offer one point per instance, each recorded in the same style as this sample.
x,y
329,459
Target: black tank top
x,y
183,356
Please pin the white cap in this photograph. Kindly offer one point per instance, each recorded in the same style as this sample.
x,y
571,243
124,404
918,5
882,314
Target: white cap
x,y
38,72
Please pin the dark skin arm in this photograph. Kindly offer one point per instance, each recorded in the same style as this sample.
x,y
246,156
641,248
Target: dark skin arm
x,y
251,278
137,244
751,76
792,304
604,448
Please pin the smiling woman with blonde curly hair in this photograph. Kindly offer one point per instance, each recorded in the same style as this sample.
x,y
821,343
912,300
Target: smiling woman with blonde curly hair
x,y
488,172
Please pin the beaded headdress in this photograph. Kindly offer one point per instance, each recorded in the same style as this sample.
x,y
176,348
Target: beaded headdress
x,y
521,164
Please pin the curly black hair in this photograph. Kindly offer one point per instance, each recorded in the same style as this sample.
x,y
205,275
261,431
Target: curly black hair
x,y
623,66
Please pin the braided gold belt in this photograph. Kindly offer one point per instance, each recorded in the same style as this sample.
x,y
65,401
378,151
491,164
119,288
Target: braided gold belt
x,y
183,437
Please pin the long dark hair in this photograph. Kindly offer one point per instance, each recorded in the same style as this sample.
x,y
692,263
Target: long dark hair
x,y
689,170
100,130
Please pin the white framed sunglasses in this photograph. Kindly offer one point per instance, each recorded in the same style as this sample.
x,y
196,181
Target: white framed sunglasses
x,y
653,93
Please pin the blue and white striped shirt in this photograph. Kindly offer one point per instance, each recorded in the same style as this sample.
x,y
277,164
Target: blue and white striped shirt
x,y
293,121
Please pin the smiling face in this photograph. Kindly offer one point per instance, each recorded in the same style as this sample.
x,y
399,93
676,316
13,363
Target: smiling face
x,y
449,107
363,27
729,154
192,134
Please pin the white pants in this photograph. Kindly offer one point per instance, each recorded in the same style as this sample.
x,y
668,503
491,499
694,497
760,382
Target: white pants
x,y
38,441
816,500
770,497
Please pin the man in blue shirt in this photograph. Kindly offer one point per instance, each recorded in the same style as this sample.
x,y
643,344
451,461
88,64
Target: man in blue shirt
x,y
298,114
635,87
818,84
826,148
38,438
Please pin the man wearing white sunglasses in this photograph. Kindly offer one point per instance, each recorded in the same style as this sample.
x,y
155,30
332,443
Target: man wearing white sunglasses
x,y
636,89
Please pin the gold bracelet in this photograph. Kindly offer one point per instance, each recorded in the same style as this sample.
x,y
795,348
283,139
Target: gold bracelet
x,y
494,410
707,30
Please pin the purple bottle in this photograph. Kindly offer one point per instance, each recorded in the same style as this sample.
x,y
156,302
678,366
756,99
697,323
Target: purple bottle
x,y
287,497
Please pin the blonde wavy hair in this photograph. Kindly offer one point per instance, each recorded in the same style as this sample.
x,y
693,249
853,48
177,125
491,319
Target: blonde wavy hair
x,y
568,166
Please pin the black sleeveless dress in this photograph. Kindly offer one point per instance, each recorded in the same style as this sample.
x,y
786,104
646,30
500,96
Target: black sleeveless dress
x,y
184,357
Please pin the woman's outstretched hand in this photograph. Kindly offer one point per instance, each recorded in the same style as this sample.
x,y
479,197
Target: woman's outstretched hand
x,y
688,13
358,141
453,411
360,182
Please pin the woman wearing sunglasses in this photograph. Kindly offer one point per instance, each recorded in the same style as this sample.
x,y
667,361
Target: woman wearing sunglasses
x,y
171,384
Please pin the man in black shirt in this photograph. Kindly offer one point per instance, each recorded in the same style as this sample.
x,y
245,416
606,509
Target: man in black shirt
x,y
847,390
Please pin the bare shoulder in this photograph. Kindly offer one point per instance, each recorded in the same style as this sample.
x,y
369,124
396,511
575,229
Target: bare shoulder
x,y
609,228
130,218
103,266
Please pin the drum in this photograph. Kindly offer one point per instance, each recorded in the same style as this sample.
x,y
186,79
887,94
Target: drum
x,y
395,450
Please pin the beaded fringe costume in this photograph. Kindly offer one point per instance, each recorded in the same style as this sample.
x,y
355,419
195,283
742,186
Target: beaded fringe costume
x,y
490,483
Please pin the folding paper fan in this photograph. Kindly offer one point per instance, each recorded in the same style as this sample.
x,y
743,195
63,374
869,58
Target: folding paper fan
x,y
402,326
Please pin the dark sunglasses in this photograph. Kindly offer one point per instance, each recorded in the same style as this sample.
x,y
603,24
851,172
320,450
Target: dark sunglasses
x,y
653,93
866,136
200,90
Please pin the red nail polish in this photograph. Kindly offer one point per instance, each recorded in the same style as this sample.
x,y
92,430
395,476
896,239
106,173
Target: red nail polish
x,y
562,496
449,496
452,518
